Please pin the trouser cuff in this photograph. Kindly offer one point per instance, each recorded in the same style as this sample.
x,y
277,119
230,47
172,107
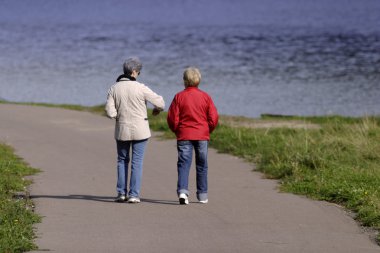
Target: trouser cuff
x,y
183,191
202,196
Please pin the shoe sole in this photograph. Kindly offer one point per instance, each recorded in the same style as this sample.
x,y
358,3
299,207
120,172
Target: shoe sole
x,y
134,201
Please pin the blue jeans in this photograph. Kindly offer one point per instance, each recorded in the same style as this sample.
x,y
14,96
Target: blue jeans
x,y
185,155
123,158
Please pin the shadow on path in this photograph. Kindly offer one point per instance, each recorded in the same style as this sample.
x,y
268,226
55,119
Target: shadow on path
x,y
106,199
77,197
159,201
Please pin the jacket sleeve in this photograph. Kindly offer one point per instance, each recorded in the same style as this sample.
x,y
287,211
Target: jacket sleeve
x,y
173,116
110,105
212,116
154,98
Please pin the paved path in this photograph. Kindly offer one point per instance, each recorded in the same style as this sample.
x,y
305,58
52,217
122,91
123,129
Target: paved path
x,y
75,192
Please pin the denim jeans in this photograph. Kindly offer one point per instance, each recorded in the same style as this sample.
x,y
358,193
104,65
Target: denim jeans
x,y
185,155
123,158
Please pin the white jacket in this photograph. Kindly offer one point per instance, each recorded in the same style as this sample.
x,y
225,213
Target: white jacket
x,y
126,102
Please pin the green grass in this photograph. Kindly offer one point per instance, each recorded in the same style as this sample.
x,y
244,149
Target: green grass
x,y
16,215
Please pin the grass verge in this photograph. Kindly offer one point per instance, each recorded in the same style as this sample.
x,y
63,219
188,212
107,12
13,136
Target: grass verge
x,y
16,214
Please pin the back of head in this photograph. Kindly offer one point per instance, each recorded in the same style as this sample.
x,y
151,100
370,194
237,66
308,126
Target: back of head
x,y
192,77
132,64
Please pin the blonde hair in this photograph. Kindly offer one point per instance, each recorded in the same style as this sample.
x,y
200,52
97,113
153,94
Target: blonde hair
x,y
192,77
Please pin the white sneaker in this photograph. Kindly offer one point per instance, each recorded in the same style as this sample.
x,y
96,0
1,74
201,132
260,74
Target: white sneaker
x,y
133,200
203,201
183,199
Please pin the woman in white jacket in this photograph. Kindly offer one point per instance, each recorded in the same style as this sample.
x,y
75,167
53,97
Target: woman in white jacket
x,y
126,102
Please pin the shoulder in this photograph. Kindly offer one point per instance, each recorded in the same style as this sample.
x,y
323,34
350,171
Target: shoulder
x,y
139,85
203,94
181,94
142,87
112,87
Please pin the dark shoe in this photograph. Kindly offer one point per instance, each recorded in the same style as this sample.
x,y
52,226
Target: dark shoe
x,y
121,198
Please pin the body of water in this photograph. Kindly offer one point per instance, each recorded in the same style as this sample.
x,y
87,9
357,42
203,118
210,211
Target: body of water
x,y
298,57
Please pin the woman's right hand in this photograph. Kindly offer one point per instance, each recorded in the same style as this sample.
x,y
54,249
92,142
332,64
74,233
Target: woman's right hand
x,y
156,111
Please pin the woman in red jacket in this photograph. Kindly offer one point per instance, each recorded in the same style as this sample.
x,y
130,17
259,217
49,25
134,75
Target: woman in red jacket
x,y
192,117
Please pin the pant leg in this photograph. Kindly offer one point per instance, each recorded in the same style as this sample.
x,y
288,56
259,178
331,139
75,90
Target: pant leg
x,y
138,150
122,166
201,150
185,155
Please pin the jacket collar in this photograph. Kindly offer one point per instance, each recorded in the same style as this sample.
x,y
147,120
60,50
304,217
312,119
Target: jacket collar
x,y
191,87
125,77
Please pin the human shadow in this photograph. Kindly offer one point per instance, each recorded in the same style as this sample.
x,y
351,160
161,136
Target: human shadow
x,y
106,199
160,201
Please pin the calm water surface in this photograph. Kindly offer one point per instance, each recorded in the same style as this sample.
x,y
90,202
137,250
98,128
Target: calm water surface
x,y
298,57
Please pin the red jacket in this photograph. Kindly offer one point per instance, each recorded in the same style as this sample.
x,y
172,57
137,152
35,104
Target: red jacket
x,y
192,115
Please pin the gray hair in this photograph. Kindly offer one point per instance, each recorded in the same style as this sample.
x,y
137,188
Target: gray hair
x,y
192,77
131,64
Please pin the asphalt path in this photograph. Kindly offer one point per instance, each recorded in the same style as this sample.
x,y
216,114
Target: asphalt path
x,y
75,190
